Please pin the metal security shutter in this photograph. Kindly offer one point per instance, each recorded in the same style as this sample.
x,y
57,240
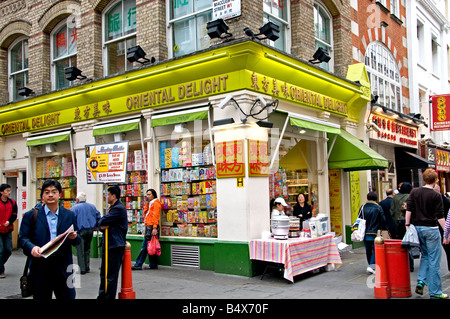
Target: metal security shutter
x,y
185,256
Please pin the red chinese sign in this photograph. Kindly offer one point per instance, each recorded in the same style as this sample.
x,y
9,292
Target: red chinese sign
x,y
230,159
394,132
258,158
440,112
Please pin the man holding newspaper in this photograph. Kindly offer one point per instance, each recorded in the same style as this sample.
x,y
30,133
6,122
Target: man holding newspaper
x,y
47,238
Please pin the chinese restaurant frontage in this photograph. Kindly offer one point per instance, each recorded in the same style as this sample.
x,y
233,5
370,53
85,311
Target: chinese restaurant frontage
x,y
218,134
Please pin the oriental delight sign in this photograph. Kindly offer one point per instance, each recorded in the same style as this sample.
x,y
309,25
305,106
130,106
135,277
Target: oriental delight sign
x,y
393,132
230,160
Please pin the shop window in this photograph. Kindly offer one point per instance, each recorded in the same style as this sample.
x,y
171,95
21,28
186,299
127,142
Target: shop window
x,y
188,180
18,68
119,35
384,75
277,11
64,54
59,168
188,20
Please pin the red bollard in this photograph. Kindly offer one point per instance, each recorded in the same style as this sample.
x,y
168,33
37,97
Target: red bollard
x,y
127,282
382,289
397,261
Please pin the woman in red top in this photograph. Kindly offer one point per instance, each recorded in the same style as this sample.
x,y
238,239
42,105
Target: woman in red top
x,y
152,211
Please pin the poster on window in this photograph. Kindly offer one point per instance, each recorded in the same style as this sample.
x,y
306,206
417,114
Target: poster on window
x,y
226,9
106,163
440,112
230,159
258,158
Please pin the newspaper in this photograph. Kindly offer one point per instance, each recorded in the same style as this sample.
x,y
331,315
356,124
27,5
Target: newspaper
x,y
53,245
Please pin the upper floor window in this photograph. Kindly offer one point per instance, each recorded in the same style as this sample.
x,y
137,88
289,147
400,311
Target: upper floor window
x,y
64,54
395,8
188,20
384,75
277,11
435,48
119,35
18,68
323,32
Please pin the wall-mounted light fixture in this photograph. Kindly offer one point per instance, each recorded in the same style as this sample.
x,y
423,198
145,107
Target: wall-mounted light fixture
x,y
225,121
321,55
270,31
265,124
25,91
73,73
216,28
136,54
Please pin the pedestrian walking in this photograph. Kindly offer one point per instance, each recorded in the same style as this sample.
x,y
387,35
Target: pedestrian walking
x,y
116,222
386,205
8,214
425,210
446,203
375,220
152,211
49,275
398,210
87,218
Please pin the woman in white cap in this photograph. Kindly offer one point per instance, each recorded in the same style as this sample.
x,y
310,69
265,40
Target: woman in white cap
x,y
278,207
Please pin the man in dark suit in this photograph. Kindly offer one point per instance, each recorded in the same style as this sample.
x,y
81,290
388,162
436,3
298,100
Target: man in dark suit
x,y
116,221
49,275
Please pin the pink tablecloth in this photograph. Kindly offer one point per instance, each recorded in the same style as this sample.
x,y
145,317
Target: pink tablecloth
x,y
298,255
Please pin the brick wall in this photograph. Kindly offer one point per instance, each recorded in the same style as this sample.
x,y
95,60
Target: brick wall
x,y
36,19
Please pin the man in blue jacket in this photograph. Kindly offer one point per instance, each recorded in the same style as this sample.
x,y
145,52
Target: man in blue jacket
x,y
49,275
116,221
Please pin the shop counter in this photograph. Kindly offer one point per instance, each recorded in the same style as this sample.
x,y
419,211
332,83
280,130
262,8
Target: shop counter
x,y
298,255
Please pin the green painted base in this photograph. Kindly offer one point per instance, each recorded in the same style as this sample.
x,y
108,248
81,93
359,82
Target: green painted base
x,y
225,257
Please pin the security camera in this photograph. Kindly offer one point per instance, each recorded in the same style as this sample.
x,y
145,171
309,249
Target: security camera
x,y
375,127
225,101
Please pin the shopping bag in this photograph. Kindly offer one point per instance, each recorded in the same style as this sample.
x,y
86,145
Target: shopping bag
x,y
154,247
359,227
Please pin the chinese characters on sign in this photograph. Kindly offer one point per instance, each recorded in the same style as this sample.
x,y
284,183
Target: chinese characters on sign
x,y
230,159
258,158
394,132
440,112
442,161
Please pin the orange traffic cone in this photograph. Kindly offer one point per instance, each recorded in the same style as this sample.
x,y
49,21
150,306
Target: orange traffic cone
x,y
382,289
127,282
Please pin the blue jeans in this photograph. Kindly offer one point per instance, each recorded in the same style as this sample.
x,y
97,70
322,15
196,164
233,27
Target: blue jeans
x,y
140,260
5,249
429,270
369,242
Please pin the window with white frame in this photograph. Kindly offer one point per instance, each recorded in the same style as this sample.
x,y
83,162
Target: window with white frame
x,y
395,8
384,75
64,54
421,41
119,35
187,21
323,33
18,68
277,11
435,55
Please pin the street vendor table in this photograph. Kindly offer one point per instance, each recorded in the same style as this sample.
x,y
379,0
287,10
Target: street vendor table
x,y
298,255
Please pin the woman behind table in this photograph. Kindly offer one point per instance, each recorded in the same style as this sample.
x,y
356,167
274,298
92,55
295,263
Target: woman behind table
x,y
375,220
302,209
278,205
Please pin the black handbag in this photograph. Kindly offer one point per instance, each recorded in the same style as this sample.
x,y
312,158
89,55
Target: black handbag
x,y
26,284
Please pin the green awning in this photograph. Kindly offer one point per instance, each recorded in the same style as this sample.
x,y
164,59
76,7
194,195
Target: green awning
x,y
48,138
313,124
116,127
178,117
350,154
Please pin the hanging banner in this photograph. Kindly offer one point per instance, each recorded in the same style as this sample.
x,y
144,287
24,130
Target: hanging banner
x,y
230,160
440,112
442,160
106,163
258,158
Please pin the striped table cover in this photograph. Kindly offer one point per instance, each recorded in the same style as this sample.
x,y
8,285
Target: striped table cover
x,y
298,255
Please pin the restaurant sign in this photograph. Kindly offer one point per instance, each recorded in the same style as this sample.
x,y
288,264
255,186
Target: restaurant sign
x,y
393,131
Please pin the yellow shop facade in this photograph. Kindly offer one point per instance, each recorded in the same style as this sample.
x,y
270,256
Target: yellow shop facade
x,y
217,134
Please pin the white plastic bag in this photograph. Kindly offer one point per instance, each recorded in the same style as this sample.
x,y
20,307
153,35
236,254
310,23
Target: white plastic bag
x,y
359,227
